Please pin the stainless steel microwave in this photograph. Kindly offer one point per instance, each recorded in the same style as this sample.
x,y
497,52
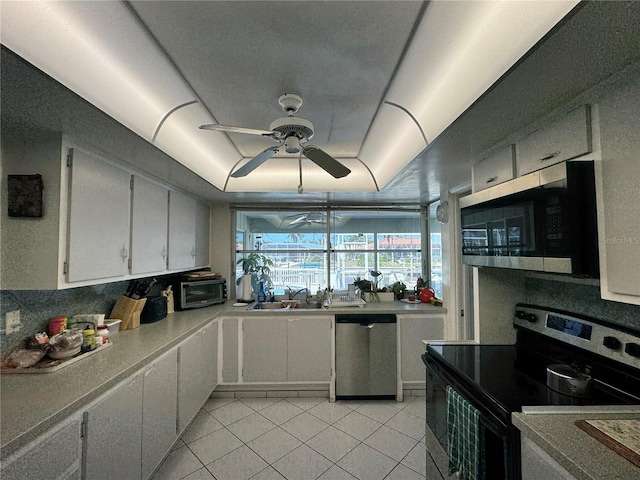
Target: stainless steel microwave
x,y
200,293
544,221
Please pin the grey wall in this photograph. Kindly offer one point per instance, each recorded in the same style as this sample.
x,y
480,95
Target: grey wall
x,y
581,299
499,290
37,306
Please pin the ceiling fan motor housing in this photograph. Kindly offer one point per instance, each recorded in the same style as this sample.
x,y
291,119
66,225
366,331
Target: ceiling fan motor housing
x,y
296,126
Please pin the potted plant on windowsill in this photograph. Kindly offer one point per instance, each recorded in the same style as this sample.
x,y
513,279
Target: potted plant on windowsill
x,y
398,288
257,267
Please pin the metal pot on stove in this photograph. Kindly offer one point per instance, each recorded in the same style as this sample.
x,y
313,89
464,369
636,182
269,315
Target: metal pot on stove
x,y
568,380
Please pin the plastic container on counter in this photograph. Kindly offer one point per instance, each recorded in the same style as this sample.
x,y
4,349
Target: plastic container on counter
x,y
102,335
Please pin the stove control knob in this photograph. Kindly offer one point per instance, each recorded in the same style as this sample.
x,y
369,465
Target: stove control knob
x,y
531,317
632,349
612,342
520,314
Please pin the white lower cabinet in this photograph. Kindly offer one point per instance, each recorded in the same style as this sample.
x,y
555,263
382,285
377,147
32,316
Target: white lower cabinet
x,y
112,441
538,464
414,329
230,344
54,455
264,349
197,372
286,349
159,410
127,431
309,349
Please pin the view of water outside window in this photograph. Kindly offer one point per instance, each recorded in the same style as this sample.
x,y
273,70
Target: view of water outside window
x,y
331,249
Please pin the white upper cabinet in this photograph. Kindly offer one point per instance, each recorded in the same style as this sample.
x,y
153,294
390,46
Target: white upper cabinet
x,y
101,221
149,222
182,231
99,195
568,136
202,235
618,189
494,169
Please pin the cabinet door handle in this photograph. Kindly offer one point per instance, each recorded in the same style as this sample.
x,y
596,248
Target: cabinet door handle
x,y
193,252
163,253
549,156
124,253
492,179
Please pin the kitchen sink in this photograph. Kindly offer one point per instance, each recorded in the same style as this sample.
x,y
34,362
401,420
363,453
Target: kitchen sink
x,y
278,306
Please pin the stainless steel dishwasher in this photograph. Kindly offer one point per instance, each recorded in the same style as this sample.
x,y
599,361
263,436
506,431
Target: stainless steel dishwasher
x,y
366,356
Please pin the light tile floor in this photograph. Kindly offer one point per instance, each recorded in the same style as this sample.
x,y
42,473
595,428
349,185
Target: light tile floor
x,y
301,439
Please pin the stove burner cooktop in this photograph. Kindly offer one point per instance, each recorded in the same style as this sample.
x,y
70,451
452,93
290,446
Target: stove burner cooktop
x,y
512,378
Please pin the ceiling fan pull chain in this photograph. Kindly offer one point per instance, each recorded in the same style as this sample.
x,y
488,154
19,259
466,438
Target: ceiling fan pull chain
x,y
300,190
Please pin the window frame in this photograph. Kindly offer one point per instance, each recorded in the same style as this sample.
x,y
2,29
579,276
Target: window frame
x,y
329,251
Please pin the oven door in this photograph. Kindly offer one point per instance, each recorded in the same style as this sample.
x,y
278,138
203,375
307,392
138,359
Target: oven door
x,y
501,441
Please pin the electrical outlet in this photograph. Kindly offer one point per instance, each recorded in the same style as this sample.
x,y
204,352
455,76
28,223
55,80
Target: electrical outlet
x,y
12,322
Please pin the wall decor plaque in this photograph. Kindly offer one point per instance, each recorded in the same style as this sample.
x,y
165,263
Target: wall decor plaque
x,y
25,194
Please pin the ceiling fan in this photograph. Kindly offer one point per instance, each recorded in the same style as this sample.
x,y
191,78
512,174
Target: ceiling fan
x,y
290,132
309,219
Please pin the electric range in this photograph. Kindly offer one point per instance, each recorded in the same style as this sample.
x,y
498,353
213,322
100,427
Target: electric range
x,y
602,361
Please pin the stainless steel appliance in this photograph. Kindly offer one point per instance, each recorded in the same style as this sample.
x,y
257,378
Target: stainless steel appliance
x,y
501,379
543,221
200,293
366,356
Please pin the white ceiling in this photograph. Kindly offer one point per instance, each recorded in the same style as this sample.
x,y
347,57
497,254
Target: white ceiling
x,y
237,57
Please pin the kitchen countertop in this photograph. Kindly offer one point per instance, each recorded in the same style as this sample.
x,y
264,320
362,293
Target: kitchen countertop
x,y
371,307
31,404
578,452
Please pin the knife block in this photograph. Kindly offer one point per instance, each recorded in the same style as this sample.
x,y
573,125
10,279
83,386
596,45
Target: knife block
x,y
128,310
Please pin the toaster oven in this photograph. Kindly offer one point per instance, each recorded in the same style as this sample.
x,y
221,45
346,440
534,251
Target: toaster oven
x,y
200,293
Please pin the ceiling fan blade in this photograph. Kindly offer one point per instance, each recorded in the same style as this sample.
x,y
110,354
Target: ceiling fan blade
x,y
255,162
293,220
325,161
233,129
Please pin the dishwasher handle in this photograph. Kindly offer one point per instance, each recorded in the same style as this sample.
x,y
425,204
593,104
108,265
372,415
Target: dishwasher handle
x,y
367,325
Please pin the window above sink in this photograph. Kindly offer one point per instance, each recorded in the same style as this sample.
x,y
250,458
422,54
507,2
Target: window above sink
x,y
318,248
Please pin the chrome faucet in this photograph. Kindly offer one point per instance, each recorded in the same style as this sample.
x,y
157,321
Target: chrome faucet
x,y
292,295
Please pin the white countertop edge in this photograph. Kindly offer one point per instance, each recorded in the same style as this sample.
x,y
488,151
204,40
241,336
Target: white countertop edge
x,y
449,342
580,454
579,409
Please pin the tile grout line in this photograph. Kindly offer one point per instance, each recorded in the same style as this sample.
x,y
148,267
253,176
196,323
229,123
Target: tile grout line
x,y
328,424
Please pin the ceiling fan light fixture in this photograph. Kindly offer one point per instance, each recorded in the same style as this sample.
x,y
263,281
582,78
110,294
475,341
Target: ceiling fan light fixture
x,y
292,144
